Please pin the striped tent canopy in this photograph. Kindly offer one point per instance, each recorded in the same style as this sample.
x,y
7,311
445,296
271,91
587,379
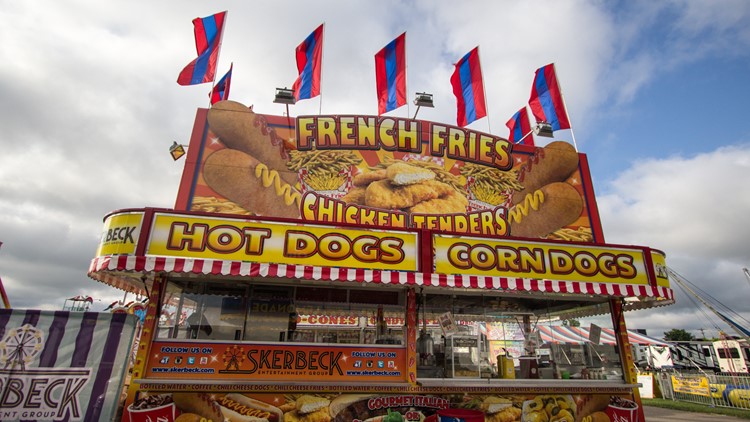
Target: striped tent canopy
x,y
564,334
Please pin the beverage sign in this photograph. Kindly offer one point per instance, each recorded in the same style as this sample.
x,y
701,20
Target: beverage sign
x,y
386,171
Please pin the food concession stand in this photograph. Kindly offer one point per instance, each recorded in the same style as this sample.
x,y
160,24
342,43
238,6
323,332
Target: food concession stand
x,y
340,268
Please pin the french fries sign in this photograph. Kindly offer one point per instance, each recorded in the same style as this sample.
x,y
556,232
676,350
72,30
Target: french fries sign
x,y
394,134
382,171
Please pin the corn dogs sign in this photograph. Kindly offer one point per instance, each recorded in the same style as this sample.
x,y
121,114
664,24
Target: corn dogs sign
x,y
539,260
247,240
385,171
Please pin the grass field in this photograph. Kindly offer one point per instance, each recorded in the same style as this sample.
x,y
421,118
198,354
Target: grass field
x,y
698,408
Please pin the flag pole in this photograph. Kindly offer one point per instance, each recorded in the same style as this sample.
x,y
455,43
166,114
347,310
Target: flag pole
x,y
218,53
322,38
562,95
489,128
406,78
524,137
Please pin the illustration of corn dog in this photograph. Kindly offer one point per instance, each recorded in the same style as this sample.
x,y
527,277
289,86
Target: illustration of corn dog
x,y
545,210
250,184
239,128
553,163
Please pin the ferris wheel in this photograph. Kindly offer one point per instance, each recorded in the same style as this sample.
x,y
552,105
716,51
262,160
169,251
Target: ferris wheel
x,y
233,357
21,346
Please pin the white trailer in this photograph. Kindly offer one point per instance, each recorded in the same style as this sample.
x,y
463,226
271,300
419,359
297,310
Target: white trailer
x,y
729,356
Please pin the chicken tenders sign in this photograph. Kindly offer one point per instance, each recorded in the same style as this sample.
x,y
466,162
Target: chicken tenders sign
x,y
386,172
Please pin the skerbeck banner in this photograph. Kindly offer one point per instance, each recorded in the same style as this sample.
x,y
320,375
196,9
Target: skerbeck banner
x,y
388,172
58,366
181,360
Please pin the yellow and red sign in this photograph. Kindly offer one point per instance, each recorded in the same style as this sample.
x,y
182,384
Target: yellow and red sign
x,y
345,321
280,362
248,240
385,171
120,234
660,268
691,385
558,261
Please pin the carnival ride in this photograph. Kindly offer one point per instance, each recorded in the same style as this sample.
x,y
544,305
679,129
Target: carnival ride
x,y
723,361
78,303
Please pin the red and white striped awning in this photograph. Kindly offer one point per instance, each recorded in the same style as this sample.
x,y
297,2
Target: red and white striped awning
x,y
563,334
105,269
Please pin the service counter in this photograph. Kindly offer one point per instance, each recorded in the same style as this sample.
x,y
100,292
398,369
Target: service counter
x,y
351,343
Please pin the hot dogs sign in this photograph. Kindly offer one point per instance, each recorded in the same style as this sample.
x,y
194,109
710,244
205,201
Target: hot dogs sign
x,y
388,172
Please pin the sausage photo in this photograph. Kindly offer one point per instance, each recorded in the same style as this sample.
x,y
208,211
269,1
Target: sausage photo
x,y
247,182
550,208
242,130
553,163
240,408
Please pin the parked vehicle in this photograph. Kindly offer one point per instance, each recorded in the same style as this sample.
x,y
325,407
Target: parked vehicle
x,y
715,356
729,356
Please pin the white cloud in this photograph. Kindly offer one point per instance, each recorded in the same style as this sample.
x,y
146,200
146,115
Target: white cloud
x,y
89,106
695,210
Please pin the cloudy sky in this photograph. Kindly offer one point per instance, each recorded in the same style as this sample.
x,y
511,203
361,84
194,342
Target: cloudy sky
x,y
656,93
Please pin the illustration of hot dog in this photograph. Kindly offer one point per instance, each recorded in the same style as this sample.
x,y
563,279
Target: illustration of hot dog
x,y
240,408
553,163
239,128
251,184
545,210
200,404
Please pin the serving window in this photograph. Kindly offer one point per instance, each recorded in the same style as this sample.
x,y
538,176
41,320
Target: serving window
x,y
254,311
474,336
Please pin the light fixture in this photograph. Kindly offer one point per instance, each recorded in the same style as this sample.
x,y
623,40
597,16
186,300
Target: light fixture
x,y
422,99
284,96
177,151
543,129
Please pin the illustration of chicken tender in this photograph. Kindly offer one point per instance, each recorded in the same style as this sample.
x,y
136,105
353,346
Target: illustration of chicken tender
x,y
545,210
553,163
401,174
355,196
309,408
364,179
500,409
451,203
382,194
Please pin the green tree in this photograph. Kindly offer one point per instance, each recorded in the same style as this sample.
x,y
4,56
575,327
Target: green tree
x,y
571,323
677,334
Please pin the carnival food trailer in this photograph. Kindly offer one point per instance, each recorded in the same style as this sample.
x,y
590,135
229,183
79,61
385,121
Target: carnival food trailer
x,y
341,268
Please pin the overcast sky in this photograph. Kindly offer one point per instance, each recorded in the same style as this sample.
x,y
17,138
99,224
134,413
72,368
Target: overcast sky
x,y
656,93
